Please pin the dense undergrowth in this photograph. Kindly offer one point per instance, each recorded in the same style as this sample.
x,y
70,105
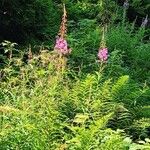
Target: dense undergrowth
x,y
54,102
45,105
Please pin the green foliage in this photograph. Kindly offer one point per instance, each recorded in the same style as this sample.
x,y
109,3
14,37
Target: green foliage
x,y
85,43
128,52
39,20
141,7
22,20
43,108
140,129
103,11
52,102
134,52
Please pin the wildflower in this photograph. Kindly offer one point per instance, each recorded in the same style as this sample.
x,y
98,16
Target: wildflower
x,y
145,21
61,45
103,51
103,54
126,4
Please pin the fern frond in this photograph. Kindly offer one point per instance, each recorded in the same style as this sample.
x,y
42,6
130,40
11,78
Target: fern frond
x,y
119,85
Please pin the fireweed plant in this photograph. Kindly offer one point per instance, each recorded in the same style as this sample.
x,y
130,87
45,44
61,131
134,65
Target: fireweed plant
x,y
102,54
61,45
103,51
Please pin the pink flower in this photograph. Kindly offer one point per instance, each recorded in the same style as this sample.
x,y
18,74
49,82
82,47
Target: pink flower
x,y
61,46
103,54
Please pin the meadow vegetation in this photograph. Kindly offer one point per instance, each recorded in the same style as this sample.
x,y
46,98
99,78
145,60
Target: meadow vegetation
x,y
89,90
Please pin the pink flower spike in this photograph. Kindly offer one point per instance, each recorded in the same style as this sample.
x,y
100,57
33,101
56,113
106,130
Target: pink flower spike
x,y
61,46
103,54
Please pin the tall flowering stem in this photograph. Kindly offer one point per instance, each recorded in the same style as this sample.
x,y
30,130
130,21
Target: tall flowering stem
x,y
61,45
103,51
125,6
144,22
30,55
63,27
